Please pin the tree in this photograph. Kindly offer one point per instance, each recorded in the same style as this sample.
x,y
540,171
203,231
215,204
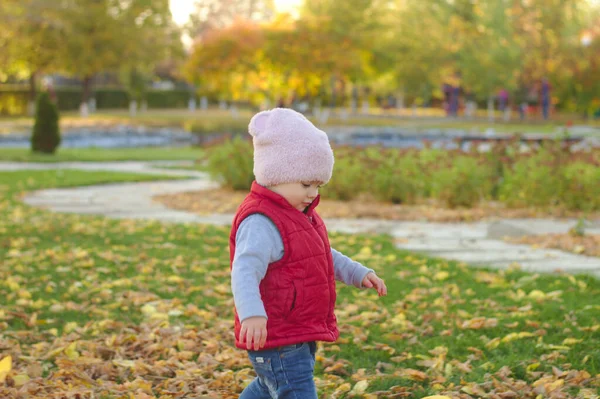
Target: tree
x,y
220,62
46,134
421,46
489,56
32,33
109,35
218,14
157,43
347,35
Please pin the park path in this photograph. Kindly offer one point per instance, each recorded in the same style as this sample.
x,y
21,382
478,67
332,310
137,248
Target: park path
x,y
478,243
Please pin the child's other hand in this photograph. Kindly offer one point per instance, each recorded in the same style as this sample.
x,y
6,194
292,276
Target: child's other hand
x,y
254,332
372,281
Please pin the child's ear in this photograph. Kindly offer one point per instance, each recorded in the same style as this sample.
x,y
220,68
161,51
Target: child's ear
x,y
258,123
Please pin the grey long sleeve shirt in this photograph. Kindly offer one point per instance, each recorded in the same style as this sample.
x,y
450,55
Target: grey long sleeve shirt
x,y
257,244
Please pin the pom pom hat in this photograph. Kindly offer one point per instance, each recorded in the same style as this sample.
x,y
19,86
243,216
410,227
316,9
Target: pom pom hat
x,y
288,148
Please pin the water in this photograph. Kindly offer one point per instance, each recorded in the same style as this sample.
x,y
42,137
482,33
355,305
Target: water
x,y
130,137
397,141
121,137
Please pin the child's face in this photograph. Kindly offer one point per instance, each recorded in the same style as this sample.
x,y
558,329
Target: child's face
x,y
299,195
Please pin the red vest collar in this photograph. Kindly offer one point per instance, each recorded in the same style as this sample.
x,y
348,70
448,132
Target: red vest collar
x,y
278,199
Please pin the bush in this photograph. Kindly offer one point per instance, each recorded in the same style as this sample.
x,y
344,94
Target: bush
x,y
535,180
46,133
214,125
349,177
463,184
582,187
13,102
398,178
429,160
231,164
111,98
544,178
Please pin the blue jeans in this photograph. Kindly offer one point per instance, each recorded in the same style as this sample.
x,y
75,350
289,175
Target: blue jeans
x,y
285,372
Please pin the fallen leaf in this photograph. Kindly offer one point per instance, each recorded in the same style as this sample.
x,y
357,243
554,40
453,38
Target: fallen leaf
x,y
5,367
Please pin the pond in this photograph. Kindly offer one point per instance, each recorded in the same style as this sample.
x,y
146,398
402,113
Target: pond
x,y
114,137
133,136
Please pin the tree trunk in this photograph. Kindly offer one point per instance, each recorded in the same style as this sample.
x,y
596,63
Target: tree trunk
x,y
490,106
32,88
84,108
32,93
87,83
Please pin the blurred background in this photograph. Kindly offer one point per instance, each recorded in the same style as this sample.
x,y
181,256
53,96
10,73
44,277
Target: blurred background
x,y
507,59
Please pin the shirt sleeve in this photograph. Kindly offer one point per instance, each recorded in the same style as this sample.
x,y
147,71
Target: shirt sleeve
x,y
348,271
257,244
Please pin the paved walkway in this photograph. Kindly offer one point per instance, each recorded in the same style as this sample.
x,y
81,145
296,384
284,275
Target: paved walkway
x,y
474,243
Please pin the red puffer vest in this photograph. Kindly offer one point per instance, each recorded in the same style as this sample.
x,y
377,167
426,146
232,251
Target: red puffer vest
x,y
298,291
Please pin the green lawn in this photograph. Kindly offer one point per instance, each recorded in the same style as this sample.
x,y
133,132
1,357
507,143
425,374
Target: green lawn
x,y
427,118
104,154
125,308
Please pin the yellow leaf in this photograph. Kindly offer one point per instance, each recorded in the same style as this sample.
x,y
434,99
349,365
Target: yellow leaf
x,y
585,359
437,397
71,351
515,336
70,326
360,387
537,294
148,310
533,366
579,249
5,367
175,279
440,276
558,347
124,363
342,389
366,251
555,385
20,379
571,341
411,374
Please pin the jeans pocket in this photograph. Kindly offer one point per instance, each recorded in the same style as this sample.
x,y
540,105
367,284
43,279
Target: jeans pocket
x,y
264,370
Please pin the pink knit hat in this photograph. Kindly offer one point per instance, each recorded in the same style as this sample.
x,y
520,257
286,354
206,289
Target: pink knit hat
x,y
288,148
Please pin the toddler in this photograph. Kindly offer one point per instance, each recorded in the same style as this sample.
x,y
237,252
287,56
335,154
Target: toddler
x,y
283,269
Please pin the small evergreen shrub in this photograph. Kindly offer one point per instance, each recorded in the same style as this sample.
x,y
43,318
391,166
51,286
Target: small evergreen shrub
x,y
46,133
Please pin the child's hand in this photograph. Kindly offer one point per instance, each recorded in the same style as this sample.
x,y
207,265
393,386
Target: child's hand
x,y
254,331
372,281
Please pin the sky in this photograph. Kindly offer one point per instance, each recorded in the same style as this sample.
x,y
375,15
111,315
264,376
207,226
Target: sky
x,y
181,8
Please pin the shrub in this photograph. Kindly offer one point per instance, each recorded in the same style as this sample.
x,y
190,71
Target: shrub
x,y
231,164
46,133
582,187
534,180
213,125
399,178
349,176
463,184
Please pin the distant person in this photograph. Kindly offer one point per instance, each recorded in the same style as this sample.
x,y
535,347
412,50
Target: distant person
x,y
502,99
545,94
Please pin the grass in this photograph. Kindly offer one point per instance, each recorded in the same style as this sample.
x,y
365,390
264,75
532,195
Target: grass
x,y
104,154
425,119
140,307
